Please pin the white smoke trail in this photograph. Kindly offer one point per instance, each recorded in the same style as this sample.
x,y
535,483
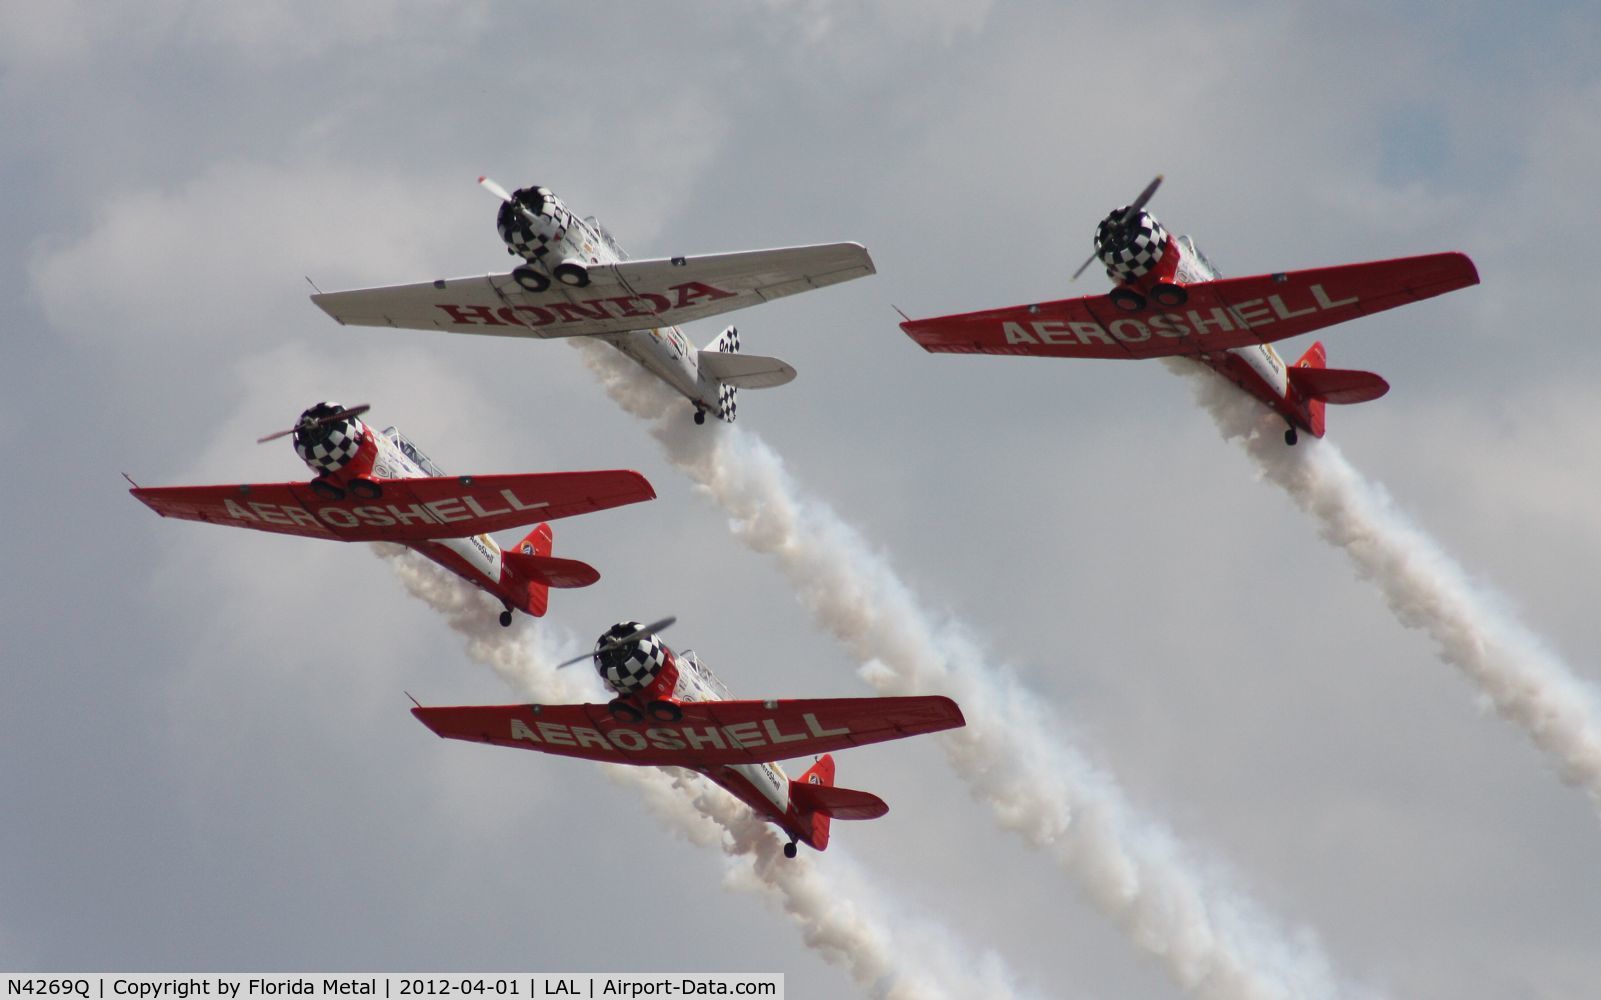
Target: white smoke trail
x,y
1212,942
1526,682
839,913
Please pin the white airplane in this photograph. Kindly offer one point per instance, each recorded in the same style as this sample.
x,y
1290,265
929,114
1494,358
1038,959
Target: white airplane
x,y
576,281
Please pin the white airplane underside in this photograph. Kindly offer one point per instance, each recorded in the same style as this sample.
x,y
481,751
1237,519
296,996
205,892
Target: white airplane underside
x,y
575,281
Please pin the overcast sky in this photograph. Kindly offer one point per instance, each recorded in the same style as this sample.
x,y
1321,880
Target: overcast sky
x,y
205,753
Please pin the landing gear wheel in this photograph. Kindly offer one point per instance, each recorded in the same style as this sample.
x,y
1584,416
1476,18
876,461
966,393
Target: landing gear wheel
x,y
1290,437
576,275
1126,299
1169,295
789,850
326,490
700,416
530,279
664,711
505,619
366,489
622,711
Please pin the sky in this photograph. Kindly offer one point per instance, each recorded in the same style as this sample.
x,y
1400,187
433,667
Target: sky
x,y
204,745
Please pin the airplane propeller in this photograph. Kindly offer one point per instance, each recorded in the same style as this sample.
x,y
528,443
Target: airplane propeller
x,y
494,189
1128,216
307,423
501,193
618,643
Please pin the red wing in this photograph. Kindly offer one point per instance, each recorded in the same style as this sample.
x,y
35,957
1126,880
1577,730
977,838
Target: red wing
x,y
407,510
710,733
1231,312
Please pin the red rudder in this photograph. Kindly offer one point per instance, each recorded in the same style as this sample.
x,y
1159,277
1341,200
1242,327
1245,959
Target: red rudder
x,y
820,773
537,543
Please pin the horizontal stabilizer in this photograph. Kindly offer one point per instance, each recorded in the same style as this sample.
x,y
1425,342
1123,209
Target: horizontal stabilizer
x,y
1338,385
840,803
550,570
745,371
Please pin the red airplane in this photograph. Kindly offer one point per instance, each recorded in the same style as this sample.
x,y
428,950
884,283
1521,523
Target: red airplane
x,y
671,711
373,487
1169,301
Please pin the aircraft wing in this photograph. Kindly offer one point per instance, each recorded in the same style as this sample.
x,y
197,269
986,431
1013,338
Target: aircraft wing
x,y
408,510
630,295
710,732
1231,312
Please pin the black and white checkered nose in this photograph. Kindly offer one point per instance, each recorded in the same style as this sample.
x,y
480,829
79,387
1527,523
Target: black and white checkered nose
x,y
1132,250
631,666
328,447
531,239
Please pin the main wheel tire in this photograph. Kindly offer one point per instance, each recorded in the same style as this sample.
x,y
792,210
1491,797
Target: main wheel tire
x,y
700,416
1290,437
530,279
622,711
790,850
1126,299
665,711
1169,295
366,489
505,619
575,275
326,490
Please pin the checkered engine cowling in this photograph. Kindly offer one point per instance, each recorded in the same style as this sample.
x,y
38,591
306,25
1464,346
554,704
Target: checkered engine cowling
x,y
1132,250
630,667
532,238
328,447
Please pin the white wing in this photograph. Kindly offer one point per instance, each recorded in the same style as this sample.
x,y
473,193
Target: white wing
x,y
629,295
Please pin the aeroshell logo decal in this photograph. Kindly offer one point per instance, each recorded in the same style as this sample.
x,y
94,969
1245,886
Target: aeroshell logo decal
x,y
1250,314
444,511
643,305
740,735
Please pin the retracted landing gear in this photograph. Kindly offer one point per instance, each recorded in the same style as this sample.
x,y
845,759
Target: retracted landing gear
x,y
789,849
505,618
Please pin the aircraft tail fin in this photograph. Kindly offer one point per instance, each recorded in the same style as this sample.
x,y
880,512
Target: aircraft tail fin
x,y
1317,384
725,346
1316,359
816,797
533,564
721,362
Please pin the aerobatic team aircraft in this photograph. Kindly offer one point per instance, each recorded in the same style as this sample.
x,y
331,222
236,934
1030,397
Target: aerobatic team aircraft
x,y
372,487
574,280
672,711
1170,301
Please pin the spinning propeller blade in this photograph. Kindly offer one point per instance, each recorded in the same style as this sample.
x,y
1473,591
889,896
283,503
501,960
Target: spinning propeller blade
x,y
494,189
621,641
1128,216
307,424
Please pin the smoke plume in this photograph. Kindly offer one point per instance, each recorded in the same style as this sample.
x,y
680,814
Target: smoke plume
x,y
840,914
1526,682
1212,941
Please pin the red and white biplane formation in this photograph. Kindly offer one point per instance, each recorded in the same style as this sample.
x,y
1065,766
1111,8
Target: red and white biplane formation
x,y
671,711
378,487
1170,302
575,281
